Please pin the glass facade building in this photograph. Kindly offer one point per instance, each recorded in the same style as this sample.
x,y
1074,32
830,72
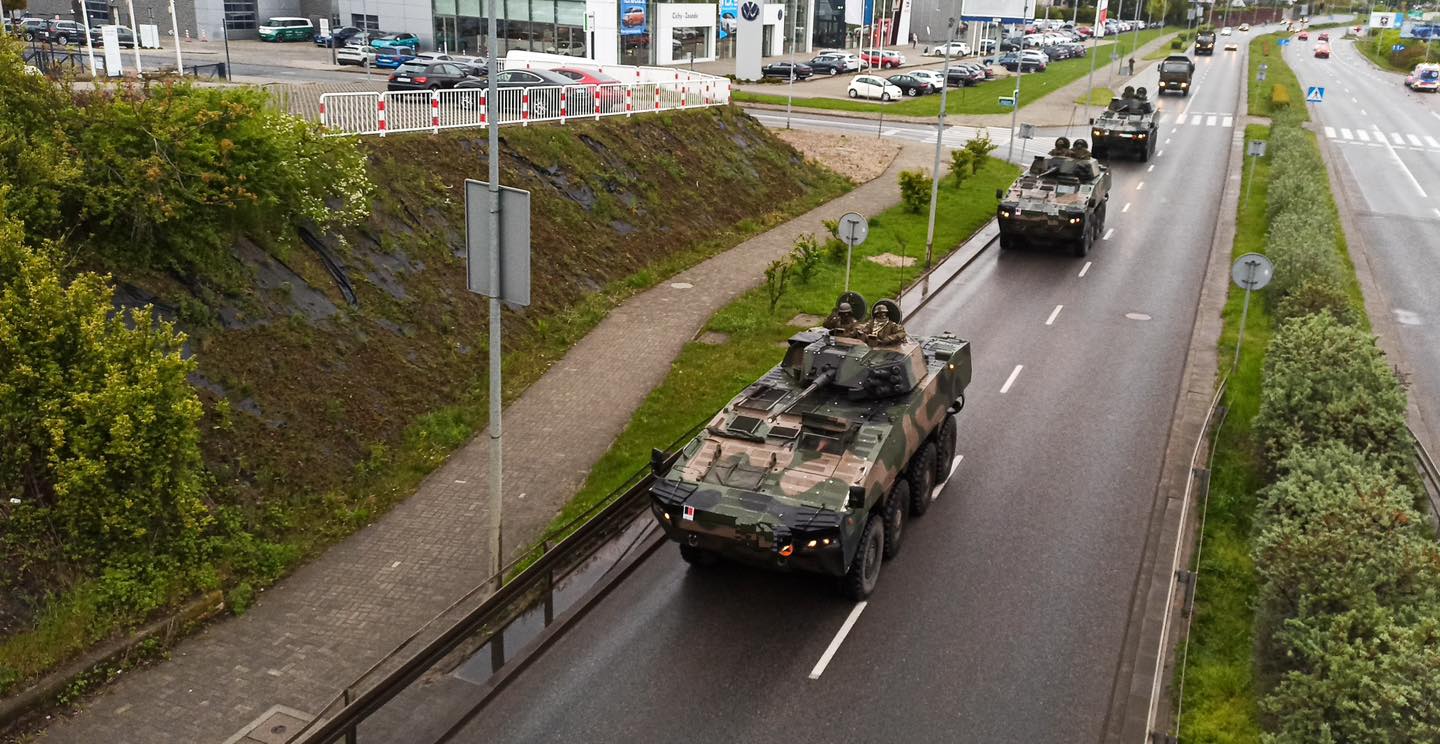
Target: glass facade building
x,y
550,26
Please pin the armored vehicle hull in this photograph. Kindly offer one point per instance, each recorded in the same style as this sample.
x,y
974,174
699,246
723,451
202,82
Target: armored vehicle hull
x,y
1060,202
1126,129
818,465
1205,43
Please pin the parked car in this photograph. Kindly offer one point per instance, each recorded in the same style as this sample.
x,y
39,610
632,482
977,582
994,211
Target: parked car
x,y
882,58
1015,61
394,40
390,58
31,28
287,29
477,65
543,102
934,79
356,55
949,49
850,62
873,86
568,48
124,36
1425,77
64,32
962,76
1322,51
418,74
612,98
787,70
910,85
985,46
339,37
824,65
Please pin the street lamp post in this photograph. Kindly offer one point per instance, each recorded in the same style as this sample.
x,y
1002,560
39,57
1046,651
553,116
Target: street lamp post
x,y
939,143
89,47
135,34
1019,75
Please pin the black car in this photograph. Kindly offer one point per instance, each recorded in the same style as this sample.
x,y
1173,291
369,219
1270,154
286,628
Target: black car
x,y
32,28
544,101
962,76
1012,62
909,84
124,36
64,32
343,36
423,75
785,70
826,65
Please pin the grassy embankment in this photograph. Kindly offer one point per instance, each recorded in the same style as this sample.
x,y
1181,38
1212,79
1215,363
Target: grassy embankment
x,y
1222,685
982,98
705,376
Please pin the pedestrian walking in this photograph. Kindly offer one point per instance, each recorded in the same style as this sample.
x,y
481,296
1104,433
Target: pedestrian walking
x,y
913,39
1132,65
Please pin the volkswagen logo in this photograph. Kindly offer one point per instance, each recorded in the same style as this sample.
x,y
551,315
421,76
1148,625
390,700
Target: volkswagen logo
x,y
750,10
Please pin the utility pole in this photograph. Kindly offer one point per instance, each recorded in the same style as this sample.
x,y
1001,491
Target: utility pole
x,y
89,47
492,114
1019,75
135,33
1100,7
175,31
939,139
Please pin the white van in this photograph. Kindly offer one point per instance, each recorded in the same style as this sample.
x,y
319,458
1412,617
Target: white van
x,y
287,29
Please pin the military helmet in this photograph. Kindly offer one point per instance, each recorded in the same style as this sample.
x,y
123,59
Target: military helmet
x,y
1061,143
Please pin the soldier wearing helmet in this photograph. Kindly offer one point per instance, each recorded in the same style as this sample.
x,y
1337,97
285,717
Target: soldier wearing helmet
x,y
842,321
881,331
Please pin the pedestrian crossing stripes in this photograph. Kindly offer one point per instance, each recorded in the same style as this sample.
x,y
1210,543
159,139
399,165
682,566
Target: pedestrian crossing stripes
x,y
1205,120
1380,138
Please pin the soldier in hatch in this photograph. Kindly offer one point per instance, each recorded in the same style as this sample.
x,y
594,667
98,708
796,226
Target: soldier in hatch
x,y
881,331
842,321
1062,147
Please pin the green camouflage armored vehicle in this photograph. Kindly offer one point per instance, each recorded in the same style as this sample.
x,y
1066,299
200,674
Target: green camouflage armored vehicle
x,y
1059,201
1127,127
817,465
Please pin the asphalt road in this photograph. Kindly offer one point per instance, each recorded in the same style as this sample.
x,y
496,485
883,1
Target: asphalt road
x,y
1388,141
1003,619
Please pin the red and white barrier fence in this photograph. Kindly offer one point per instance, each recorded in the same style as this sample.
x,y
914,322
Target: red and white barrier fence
x,y
421,110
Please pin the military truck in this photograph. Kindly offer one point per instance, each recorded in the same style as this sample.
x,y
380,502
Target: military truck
x,y
1060,200
1127,127
1176,72
1205,43
817,465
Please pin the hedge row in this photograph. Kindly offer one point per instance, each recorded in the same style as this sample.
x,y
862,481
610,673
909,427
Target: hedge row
x,y
1348,615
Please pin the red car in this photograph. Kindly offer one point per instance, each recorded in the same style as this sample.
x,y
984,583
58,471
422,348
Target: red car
x,y
1322,51
883,58
1303,36
633,17
1323,36
611,98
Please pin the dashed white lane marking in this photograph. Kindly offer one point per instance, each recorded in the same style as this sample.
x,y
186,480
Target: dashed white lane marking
x,y
1167,140
1436,210
1330,132
1140,186
1086,267
1125,208
1158,153
1108,233
837,640
1362,112
1151,168
1051,320
1011,379
1353,99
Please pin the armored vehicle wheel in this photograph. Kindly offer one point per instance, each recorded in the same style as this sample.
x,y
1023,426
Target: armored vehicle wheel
x,y
864,571
698,556
1082,247
921,475
944,449
896,508
1009,242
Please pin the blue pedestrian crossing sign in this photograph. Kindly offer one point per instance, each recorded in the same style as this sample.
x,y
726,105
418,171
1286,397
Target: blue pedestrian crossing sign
x,y
1314,94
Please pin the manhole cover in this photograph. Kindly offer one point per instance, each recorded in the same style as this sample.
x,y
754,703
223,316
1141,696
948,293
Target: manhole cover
x,y
274,726
681,285
1137,316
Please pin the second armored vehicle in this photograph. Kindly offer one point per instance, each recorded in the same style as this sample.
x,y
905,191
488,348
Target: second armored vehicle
x,y
1127,127
1059,201
818,465
1205,43
1176,73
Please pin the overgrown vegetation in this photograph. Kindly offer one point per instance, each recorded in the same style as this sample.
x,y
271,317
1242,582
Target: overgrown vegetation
x,y
324,382
1380,47
1318,608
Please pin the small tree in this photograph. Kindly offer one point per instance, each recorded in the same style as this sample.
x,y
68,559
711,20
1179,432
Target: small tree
x,y
805,256
914,190
777,280
961,166
979,149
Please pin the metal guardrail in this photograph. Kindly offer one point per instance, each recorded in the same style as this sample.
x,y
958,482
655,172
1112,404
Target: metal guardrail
x,y
366,113
1429,474
1199,477
534,584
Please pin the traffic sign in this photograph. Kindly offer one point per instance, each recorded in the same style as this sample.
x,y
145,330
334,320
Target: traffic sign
x,y
1398,48
1282,42
1252,271
1027,131
1314,94
1007,101
514,243
853,228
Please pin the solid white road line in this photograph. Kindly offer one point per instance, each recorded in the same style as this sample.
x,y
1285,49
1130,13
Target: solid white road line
x,y
837,640
1085,268
1379,135
1051,320
1108,233
1125,208
1011,379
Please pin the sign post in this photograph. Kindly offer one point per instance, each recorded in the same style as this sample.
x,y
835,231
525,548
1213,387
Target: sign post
x,y
1314,94
853,229
1255,150
939,144
1250,272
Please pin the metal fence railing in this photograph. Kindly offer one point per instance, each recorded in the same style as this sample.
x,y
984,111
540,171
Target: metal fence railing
x,y
365,113
1429,476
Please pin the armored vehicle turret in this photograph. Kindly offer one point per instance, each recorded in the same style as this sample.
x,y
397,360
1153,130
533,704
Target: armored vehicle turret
x,y
1060,200
817,465
1126,127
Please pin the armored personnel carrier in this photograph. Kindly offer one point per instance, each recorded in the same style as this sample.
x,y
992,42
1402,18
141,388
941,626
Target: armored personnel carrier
x,y
1205,43
1059,201
817,465
1126,127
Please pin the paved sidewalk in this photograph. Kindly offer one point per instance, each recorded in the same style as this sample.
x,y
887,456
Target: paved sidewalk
x,y
325,625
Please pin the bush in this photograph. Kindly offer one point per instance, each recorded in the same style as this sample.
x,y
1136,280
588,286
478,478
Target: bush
x,y
914,190
1326,381
805,257
979,149
960,166
1279,97
1315,295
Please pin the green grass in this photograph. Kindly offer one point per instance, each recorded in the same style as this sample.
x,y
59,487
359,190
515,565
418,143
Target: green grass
x,y
1264,50
1219,703
704,377
982,98
1165,50
1098,97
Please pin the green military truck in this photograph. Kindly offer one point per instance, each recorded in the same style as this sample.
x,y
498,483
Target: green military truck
x,y
818,465
1176,74
1205,43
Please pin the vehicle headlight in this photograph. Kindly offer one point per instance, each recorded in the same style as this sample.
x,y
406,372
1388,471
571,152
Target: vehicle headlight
x,y
1142,136
1096,132
1006,213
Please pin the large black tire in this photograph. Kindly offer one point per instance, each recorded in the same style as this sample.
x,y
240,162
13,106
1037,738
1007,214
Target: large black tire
x,y
864,570
896,508
944,448
921,474
1145,154
853,94
1087,239
698,557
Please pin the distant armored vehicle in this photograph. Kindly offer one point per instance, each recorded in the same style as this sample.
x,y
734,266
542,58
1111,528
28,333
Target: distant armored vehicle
x,y
817,465
1205,43
1127,127
1059,201
1175,74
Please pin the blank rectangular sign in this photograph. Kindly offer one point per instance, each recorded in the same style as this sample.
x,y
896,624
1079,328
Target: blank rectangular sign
x,y
514,243
1008,11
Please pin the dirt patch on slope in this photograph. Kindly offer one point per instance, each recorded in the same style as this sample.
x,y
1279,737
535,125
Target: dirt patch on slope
x,y
858,158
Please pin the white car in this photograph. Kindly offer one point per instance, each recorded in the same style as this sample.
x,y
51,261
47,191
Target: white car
x,y
355,55
935,79
951,49
1226,31
433,57
848,62
1244,27
874,86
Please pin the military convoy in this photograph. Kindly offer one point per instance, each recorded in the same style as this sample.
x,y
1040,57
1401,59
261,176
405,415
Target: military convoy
x,y
818,465
1126,127
1060,200
1176,72
1205,43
